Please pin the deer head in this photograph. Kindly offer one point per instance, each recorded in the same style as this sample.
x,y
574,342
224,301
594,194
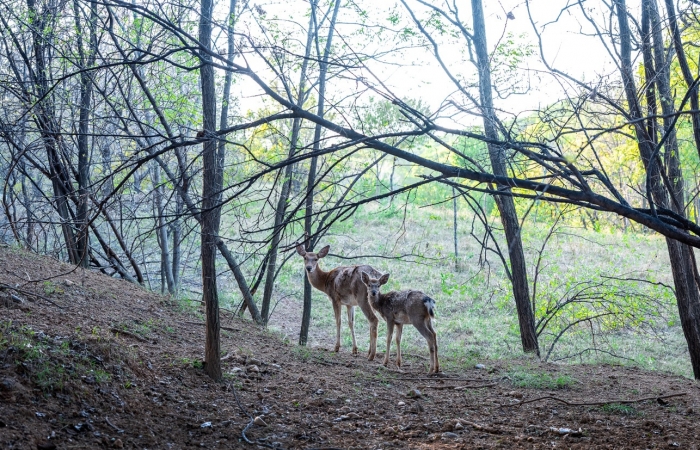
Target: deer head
x,y
373,284
311,258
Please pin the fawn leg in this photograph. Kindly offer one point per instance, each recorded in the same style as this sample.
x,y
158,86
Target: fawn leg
x,y
389,332
436,366
351,324
399,330
373,328
425,328
336,312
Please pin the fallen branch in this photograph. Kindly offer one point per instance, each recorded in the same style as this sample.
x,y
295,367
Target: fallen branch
x,y
479,386
32,294
549,397
128,333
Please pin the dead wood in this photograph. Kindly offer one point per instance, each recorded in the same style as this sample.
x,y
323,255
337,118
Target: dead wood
x,y
549,397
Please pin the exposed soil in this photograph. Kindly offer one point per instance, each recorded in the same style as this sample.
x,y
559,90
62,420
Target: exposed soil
x,y
95,362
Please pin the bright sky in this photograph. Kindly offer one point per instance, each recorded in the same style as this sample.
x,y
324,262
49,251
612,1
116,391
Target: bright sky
x,y
564,46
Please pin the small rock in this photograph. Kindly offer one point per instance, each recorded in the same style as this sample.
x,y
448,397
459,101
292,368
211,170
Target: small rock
x,y
673,444
68,282
276,366
259,421
253,369
402,403
118,444
480,366
236,370
205,425
414,393
39,414
459,426
353,415
319,392
341,418
450,435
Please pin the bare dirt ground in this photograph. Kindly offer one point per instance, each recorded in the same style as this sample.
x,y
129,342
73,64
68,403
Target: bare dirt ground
x,y
88,361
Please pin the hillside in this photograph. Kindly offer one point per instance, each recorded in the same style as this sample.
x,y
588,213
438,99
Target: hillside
x,y
94,362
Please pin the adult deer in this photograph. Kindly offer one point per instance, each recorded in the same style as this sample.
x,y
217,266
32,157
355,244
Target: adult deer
x,y
399,308
344,287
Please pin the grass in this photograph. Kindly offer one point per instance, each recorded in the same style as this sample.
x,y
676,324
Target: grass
x,y
50,363
475,313
619,409
524,378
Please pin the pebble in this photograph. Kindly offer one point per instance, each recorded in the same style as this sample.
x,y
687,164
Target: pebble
x,y
402,403
118,444
459,426
205,425
449,435
480,366
253,368
259,421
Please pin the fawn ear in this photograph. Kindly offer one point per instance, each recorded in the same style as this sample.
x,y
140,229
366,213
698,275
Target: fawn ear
x,y
364,277
384,279
301,250
324,251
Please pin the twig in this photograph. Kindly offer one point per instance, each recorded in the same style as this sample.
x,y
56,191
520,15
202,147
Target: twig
x,y
435,379
116,428
128,333
22,291
549,397
461,387
250,424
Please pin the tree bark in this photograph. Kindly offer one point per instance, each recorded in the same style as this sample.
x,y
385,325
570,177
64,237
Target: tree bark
x,y
211,192
308,212
682,259
505,203
281,207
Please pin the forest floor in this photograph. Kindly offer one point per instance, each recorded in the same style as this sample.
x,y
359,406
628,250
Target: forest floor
x,y
88,361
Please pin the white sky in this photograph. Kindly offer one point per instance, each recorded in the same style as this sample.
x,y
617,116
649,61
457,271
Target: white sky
x,y
564,46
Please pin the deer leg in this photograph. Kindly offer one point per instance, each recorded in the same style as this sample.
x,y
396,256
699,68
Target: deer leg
x,y
399,330
373,328
351,324
389,332
336,312
425,328
436,367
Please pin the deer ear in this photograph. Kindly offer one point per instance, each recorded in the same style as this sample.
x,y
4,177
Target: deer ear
x,y
301,250
384,279
364,277
324,251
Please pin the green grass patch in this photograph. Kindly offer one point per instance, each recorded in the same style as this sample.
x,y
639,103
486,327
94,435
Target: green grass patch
x,y
540,380
619,409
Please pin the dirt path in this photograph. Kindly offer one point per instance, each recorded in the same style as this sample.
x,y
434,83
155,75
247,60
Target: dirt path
x,y
94,362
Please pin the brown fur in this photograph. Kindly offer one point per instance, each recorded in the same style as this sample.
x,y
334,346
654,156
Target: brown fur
x,y
344,287
399,308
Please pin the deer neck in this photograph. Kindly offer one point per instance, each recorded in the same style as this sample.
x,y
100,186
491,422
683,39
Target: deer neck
x,y
318,278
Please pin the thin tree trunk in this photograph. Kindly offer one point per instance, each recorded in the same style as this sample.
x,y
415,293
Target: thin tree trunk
x,y
308,213
505,203
454,229
286,184
211,189
682,259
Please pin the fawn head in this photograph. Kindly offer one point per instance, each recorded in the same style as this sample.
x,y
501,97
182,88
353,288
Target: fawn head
x,y
373,284
311,258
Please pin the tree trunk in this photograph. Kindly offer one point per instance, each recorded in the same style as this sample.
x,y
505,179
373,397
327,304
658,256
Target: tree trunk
x,y
286,185
306,313
682,258
506,206
211,192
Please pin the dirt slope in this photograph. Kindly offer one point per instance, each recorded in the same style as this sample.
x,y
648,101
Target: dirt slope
x,y
92,362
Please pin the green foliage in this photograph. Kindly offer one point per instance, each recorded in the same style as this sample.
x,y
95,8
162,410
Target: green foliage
x,y
524,378
619,409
